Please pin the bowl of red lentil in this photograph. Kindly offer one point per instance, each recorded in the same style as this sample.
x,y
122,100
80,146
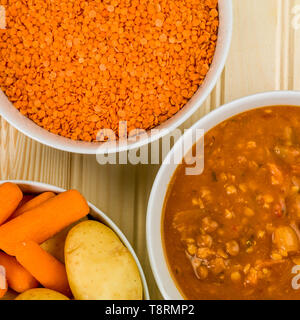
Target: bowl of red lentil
x,y
262,122
71,69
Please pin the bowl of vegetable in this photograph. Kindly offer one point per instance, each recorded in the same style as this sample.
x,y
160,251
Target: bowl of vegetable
x,y
57,246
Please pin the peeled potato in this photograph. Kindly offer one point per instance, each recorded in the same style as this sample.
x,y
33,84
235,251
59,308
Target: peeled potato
x,y
41,294
99,266
56,245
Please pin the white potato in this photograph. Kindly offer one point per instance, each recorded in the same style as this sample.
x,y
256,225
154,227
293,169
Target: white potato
x,y
41,294
56,245
99,266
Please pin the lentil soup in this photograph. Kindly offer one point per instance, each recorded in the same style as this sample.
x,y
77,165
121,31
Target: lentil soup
x,y
233,232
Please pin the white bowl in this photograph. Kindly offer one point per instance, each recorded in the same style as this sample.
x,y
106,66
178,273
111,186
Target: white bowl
x,y
29,128
157,257
38,187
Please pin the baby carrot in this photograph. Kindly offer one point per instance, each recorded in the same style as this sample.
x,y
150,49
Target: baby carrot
x,y
3,282
50,272
32,203
3,292
17,277
44,221
26,198
10,197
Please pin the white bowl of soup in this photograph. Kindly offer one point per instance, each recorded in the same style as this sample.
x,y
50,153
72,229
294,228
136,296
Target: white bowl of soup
x,y
59,141
232,232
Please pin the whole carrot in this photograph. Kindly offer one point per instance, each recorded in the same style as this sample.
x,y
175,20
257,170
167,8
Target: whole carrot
x,y
17,277
50,272
32,203
44,221
10,197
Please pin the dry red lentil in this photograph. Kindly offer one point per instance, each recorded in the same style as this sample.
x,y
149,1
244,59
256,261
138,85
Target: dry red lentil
x,y
74,66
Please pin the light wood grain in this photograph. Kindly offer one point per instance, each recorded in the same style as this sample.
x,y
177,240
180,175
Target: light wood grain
x,y
265,55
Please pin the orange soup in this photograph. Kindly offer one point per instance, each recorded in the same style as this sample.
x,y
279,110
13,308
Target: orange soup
x,y
233,231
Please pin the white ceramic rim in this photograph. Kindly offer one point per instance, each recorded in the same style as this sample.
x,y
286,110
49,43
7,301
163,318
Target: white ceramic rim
x,y
158,263
34,187
33,131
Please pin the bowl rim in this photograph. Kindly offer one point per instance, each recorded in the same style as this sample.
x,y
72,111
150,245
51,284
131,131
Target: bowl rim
x,y
231,109
98,215
26,126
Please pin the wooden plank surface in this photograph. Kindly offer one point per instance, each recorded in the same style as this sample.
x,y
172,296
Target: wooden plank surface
x,y
265,55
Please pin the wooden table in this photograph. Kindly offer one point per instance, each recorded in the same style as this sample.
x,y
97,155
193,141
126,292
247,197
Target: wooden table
x,y
265,55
